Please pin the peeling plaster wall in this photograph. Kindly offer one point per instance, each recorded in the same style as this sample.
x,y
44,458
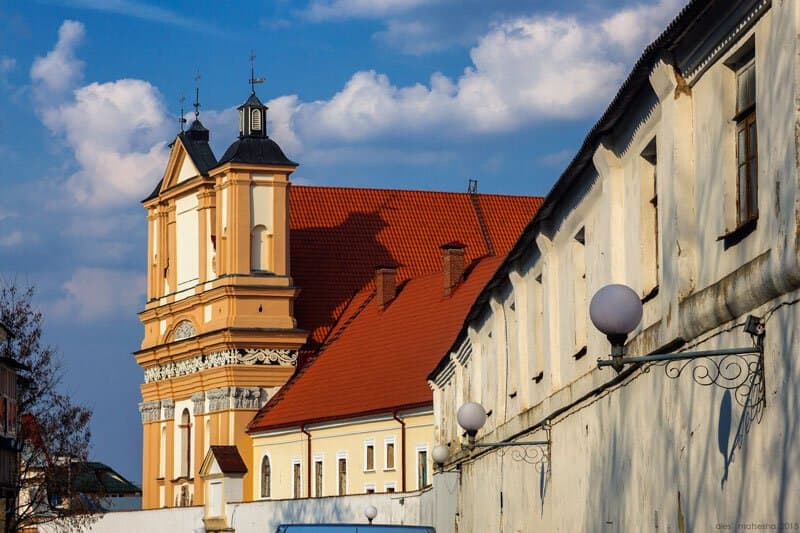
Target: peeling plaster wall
x,y
621,455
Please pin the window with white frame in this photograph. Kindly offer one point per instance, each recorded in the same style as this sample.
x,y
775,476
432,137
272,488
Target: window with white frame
x,y
390,487
297,479
341,474
369,488
266,477
369,455
318,476
422,466
389,454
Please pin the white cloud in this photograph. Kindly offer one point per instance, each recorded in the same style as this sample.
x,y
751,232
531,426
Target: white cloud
x,y
95,293
320,10
59,70
557,159
523,70
117,130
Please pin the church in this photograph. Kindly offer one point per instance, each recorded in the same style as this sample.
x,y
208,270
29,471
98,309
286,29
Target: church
x,y
292,328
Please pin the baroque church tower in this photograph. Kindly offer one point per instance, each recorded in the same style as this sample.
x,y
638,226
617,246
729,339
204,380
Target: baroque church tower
x,y
220,335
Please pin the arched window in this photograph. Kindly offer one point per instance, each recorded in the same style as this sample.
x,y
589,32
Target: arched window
x,y
255,120
258,248
186,445
162,453
266,477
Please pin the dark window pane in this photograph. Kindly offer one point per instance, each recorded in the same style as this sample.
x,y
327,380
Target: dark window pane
x,y
746,81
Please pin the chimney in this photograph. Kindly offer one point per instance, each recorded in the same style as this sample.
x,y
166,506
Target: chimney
x,y
453,255
385,285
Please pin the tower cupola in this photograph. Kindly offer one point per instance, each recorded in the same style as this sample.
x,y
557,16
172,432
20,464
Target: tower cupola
x,y
253,117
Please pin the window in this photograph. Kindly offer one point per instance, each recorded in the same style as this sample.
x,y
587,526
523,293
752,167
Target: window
x,y
649,223
422,468
266,478
389,457
579,292
342,486
297,485
255,120
369,488
258,249
389,487
746,143
162,453
318,478
186,445
369,456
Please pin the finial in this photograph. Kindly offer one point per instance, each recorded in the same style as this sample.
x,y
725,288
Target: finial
x,y
253,79
196,103
181,119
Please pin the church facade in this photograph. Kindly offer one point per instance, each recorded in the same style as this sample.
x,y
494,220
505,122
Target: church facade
x,y
253,282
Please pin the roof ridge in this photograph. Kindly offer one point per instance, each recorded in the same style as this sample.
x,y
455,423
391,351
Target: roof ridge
x,y
423,191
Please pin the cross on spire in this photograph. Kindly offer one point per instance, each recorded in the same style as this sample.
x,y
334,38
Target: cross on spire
x,y
253,79
196,103
181,118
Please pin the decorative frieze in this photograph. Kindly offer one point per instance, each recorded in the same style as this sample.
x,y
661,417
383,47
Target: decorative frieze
x,y
167,409
199,403
150,411
237,398
241,356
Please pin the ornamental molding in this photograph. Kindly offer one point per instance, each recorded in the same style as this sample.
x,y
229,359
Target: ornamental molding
x,y
183,330
237,398
199,403
155,410
240,356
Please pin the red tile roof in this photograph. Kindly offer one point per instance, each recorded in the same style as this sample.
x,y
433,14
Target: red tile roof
x,y
229,460
366,360
339,235
377,360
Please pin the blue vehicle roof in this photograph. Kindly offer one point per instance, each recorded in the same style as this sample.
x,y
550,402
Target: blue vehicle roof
x,y
352,528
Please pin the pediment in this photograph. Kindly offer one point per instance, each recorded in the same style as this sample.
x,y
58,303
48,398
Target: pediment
x,y
180,167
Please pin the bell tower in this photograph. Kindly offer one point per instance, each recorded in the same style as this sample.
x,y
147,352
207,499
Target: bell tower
x,y
220,336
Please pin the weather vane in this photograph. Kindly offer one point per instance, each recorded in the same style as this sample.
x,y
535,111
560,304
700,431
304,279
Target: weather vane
x,y
253,79
196,103
181,118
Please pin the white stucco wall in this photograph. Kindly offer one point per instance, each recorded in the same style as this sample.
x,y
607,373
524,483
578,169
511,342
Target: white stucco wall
x,y
414,508
622,452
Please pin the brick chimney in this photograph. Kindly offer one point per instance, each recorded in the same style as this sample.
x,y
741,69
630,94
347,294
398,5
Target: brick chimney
x,y
385,285
453,256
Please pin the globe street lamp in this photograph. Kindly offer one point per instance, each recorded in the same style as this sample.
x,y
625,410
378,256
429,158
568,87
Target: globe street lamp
x,y
370,512
616,310
440,454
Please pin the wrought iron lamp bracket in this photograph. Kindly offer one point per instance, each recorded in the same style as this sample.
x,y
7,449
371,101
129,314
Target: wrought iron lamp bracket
x,y
533,452
740,370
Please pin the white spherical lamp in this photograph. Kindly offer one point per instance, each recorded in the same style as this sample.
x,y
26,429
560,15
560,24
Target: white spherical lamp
x,y
371,512
616,310
471,416
440,454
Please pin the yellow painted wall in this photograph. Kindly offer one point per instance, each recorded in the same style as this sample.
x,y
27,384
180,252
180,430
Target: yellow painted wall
x,y
284,448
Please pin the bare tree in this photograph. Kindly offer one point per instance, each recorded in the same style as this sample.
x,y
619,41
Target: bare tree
x,y
53,432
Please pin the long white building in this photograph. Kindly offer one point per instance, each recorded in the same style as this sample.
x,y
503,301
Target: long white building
x,y
686,190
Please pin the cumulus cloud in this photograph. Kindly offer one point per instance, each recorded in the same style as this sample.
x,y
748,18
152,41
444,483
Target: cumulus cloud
x,y
59,70
95,293
523,70
117,130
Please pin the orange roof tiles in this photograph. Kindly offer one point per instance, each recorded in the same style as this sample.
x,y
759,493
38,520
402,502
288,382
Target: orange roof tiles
x,y
380,360
339,235
372,360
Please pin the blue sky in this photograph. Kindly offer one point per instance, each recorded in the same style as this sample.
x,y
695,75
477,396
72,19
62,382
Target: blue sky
x,y
380,93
